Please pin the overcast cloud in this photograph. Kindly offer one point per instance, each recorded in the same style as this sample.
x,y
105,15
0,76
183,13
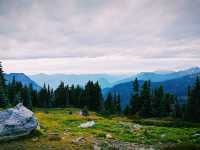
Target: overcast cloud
x,y
96,36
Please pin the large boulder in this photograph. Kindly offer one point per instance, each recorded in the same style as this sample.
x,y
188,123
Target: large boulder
x,y
16,122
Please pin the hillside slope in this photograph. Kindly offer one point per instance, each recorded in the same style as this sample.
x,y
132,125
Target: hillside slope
x,y
176,86
21,77
161,76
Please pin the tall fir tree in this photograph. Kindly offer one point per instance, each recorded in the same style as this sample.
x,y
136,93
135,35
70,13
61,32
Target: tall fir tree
x,y
98,97
146,101
167,104
193,102
109,104
26,97
118,104
135,103
156,101
42,100
126,111
3,90
61,97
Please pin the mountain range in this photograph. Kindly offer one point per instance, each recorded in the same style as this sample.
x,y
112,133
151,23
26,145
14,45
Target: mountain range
x,y
173,82
159,76
54,80
176,83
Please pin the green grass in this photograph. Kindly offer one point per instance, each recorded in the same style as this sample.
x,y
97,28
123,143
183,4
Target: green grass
x,y
66,128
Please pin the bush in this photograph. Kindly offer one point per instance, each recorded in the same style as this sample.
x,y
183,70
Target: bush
x,y
70,112
85,111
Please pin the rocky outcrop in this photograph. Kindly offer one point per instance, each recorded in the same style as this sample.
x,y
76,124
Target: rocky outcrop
x,y
16,122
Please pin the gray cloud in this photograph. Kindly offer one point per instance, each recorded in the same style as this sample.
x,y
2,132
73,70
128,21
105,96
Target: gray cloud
x,y
146,29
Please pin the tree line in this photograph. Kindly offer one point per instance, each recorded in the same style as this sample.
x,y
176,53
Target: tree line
x,y
89,96
145,101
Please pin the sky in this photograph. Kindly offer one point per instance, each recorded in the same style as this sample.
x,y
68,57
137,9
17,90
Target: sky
x,y
99,36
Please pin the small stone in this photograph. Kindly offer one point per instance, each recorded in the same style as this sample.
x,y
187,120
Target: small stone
x,y
38,128
96,147
67,130
108,136
163,135
137,126
78,140
35,139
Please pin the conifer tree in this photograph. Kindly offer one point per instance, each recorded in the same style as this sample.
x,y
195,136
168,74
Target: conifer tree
x,y
88,99
146,101
26,97
98,97
166,105
109,104
135,102
178,113
156,101
3,95
193,102
43,97
126,111
61,96
118,104
92,96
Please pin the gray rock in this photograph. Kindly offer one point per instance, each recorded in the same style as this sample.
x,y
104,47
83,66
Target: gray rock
x,y
88,124
16,122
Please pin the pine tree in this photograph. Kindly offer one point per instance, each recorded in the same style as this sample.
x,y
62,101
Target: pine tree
x,y
146,101
61,97
118,104
88,95
135,102
85,111
109,104
115,103
26,97
3,96
72,94
167,105
78,96
93,98
177,110
126,111
193,102
43,97
34,98
156,101
98,97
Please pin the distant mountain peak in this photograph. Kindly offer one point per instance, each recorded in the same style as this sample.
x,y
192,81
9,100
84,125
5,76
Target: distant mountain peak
x,y
193,69
163,71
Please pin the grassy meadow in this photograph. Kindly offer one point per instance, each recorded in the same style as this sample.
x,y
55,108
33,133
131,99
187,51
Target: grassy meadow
x,y
59,130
